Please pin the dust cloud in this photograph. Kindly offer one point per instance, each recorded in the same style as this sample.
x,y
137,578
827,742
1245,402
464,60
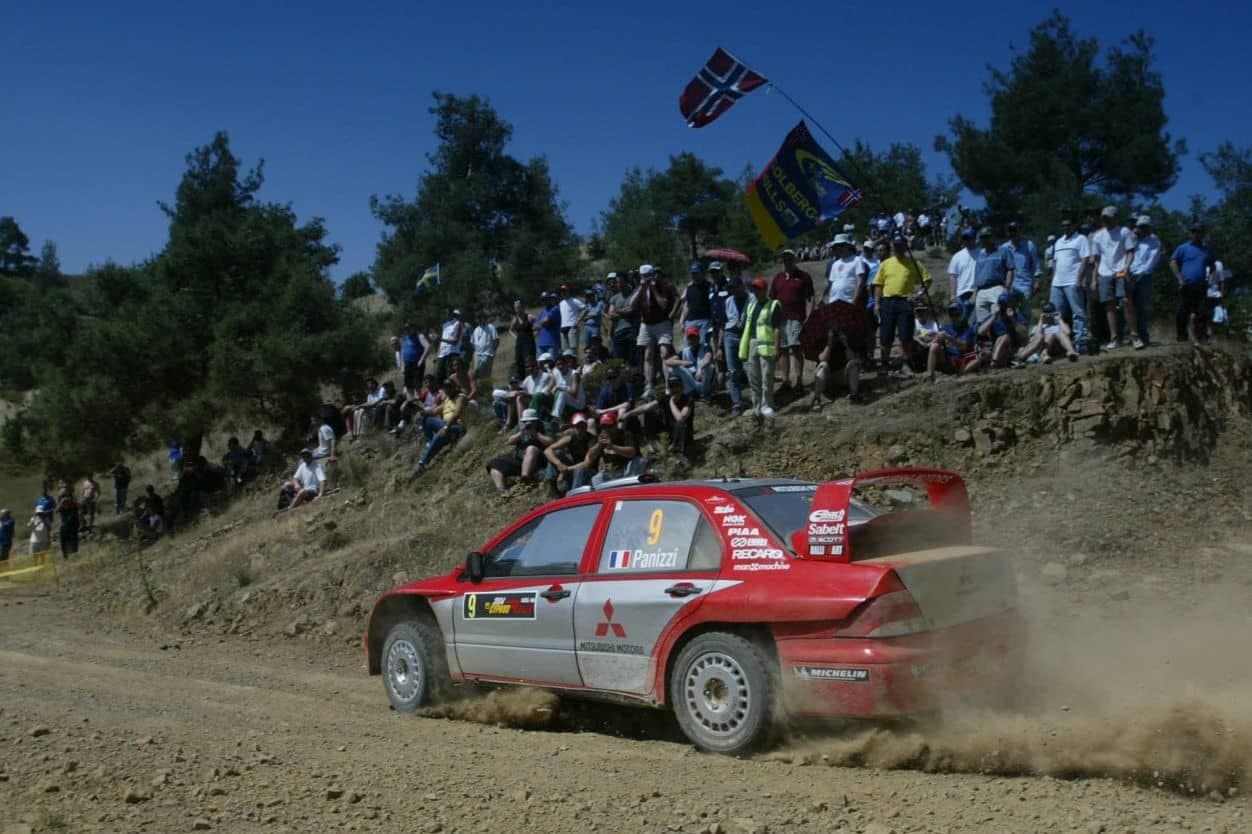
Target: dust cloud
x,y
1151,685
524,709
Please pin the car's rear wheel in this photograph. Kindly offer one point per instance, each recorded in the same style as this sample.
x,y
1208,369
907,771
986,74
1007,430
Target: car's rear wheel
x,y
415,668
723,692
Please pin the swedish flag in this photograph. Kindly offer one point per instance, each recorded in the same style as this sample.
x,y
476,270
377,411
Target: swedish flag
x,y
429,280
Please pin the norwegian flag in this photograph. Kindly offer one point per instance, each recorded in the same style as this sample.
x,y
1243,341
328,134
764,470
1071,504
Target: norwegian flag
x,y
719,84
619,559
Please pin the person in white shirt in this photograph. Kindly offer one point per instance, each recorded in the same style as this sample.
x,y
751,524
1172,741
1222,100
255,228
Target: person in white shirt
x,y
962,268
570,394
1145,255
485,339
450,338
1110,252
358,415
309,480
1070,255
846,274
325,441
571,309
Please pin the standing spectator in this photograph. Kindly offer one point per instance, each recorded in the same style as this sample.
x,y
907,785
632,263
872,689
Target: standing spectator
x,y
625,319
735,306
962,269
40,526
793,290
67,507
413,352
572,308
7,526
442,424
955,349
993,274
258,446
486,339
397,349
719,291
593,320
697,303
451,336
528,444
1070,254
900,278
1006,330
326,440
758,349
309,480
1111,252
1026,270
89,498
175,457
548,324
1190,264
1145,250
569,464
846,275
121,484
655,301
522,326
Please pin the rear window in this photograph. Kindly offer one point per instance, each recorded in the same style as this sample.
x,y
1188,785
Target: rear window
x,y
785,508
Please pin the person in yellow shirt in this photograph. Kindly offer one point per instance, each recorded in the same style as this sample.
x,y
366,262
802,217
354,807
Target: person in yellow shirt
x,y
900,280
442,423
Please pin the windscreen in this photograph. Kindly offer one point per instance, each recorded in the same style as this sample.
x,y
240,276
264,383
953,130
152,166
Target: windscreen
x,y
785,507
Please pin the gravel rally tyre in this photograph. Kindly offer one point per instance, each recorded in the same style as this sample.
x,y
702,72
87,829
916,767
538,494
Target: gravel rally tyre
x,y
414,665
722,689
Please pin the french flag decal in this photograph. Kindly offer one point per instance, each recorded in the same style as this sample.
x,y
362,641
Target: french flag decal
x,y
619,559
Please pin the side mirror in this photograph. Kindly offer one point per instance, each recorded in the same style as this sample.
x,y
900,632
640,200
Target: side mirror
x,y
800,543
474,567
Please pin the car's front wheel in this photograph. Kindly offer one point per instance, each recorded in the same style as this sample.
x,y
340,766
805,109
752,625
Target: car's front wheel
x,y
415,668
722,690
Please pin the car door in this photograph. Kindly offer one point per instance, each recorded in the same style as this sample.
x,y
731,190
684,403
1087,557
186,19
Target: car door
x,y
658,559
518,623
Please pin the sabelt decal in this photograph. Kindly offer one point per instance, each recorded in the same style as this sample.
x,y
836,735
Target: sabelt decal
x,y
827,516
500,606
816,529
831,673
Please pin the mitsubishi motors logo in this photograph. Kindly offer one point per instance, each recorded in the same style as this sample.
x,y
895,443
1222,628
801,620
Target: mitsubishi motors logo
x,y
602,629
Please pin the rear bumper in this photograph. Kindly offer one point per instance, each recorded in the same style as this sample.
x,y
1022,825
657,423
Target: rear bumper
x,y
866,678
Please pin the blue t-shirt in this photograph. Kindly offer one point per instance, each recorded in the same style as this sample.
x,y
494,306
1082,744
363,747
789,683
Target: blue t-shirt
x,y
961,332
1025,264
999,326
611,397
549,336
594,314
1193,261
411,350
6,532
991,267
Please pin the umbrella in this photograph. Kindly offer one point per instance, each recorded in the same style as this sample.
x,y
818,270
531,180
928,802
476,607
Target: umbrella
x,y
727,254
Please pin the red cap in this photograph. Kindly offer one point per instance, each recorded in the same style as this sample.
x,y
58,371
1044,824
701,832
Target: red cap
x,y
693,331
608,418
760,284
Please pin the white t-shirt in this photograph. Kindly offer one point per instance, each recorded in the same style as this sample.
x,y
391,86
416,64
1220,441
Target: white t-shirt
x,y
450,339
564,382
325,439
1068,254
537,382
570,308
962,267
310,476
485,339
1110,245
841,277
1217,276
374,398
924,331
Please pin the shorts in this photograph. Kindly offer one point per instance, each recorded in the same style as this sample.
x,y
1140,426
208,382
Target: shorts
x,y
1111,288
413,372
88,506
661,333
963,361
895,319
507,465
791,333
482,365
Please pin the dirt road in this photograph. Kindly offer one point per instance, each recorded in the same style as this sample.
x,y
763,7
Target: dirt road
x,y
113,727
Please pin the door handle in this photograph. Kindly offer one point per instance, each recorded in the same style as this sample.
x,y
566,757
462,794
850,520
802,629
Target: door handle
x,y
553,594
682,589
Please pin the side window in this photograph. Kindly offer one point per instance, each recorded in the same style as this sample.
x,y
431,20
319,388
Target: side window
x,y
551,545
647,536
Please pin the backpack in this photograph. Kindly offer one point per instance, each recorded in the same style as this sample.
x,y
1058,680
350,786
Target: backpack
x,y
286,496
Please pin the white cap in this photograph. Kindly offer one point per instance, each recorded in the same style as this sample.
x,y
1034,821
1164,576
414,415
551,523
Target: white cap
x,y
578,418
1109,211
530,416
611,275
646,269
547,356
843,238
1143,220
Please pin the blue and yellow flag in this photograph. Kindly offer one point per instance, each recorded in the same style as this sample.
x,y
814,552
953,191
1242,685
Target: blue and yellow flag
x,y
800,187
429,280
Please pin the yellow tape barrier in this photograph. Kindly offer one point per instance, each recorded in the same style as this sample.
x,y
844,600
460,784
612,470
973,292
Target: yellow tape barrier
x,y
23,569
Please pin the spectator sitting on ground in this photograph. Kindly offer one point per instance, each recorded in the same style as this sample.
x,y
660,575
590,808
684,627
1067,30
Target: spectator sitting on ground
x,y
237,461
674,413
614,451
459,373
569,458
442,424
324,433
694,366
955,349
415,405
309,480
925,331
357,415
504,402
1051,338
259,448
567,386
528,444
1006,331
591,360
616,394
152,511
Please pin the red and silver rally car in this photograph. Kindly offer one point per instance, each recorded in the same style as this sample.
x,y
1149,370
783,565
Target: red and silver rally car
x,y
731,602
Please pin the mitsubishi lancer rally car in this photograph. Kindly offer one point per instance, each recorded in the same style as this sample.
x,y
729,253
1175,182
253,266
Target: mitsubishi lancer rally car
x,y
731,602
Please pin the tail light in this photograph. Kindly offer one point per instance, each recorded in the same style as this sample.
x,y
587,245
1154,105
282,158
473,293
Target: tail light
x,y
892,613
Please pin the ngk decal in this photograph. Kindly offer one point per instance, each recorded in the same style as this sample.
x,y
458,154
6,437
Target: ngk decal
x,y
733,520
827,515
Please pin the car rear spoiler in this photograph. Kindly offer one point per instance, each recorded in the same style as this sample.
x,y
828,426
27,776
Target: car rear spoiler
x,y
829,535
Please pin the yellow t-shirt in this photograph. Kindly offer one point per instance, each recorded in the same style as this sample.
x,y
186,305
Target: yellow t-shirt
x,y
900,278
449,407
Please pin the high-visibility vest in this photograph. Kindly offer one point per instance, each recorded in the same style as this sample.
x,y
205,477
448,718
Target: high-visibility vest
x,y
762,329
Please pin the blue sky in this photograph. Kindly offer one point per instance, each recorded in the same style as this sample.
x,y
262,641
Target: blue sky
x,y
104,100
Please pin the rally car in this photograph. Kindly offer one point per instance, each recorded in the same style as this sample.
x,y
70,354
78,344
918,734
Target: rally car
x,y
731,602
